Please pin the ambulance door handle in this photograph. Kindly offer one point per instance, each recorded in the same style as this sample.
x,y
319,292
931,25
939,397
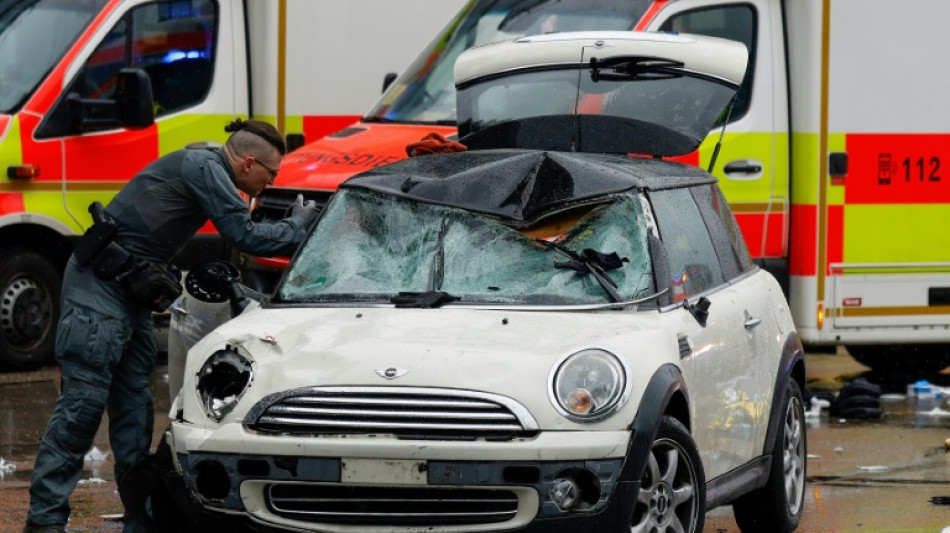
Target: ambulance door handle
x,y
743,169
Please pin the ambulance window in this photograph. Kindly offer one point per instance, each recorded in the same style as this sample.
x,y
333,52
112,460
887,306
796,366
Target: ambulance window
x,y
172,41
694,264
736,22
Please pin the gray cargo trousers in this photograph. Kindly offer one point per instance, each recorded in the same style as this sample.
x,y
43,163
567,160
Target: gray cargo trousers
x,y
106,350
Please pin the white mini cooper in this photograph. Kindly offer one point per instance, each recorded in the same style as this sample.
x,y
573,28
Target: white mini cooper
x,y
556,330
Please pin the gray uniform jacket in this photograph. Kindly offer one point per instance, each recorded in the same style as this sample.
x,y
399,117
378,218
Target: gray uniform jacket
x,y
169,200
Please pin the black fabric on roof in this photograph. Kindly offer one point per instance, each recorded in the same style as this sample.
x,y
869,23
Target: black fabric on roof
x,y
520,186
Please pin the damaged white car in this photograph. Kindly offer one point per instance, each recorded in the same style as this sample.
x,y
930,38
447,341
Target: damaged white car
x,y
542,333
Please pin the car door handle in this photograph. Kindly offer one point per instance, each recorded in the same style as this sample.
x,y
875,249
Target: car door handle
x,y
752,322
743,169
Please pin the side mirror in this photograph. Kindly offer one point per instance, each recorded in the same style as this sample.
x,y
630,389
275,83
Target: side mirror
x,y
700,310
133,108
136,104
219,281
388,80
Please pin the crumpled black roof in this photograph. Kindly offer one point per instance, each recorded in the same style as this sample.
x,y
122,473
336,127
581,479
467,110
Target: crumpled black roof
x,y
521,186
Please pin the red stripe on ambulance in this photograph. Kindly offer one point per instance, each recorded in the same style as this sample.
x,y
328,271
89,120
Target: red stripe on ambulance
x,y
898,169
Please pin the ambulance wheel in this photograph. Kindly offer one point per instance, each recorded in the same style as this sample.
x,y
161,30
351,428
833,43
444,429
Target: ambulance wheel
x,y
907,361
777,507
29,308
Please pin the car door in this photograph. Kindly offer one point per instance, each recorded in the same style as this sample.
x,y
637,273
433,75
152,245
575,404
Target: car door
x,y
718,366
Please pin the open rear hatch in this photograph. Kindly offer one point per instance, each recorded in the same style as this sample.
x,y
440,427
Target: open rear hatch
x,y
654,94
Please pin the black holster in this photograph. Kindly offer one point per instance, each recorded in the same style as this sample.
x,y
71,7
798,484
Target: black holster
x,y
152,285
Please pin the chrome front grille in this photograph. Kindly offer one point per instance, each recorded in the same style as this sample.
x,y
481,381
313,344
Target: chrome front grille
x,y
362,505
408,412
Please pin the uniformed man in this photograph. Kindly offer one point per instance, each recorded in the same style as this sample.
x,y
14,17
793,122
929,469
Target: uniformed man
x,y
118,275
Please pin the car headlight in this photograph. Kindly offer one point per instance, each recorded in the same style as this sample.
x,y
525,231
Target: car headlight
x,y
589,386
222,381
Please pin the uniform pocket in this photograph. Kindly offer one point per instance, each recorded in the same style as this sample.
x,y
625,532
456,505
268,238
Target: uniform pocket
x,y
89,337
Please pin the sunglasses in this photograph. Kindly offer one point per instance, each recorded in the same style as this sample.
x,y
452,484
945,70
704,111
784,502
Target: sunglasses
x,y
273,171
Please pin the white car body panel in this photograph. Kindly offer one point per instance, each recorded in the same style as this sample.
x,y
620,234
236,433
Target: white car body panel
x,y
479,349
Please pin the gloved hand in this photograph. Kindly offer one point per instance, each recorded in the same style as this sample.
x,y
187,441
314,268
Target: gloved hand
x,y
433,143
306,211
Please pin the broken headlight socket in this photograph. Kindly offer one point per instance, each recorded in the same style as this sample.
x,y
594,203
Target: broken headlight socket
x,y
222,381
590,385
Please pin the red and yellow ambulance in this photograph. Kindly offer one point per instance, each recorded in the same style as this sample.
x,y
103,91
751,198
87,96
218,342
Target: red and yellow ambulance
x,y
73,129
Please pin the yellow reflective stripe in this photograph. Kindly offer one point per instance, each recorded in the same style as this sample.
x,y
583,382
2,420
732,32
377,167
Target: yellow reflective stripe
x,y
836,143
11,153
852,312
768,148
50,203
294,124
174,133
805,154
901,233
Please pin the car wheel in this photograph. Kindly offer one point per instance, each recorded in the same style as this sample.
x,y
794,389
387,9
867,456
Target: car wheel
x,y
672,493
29,308
777,507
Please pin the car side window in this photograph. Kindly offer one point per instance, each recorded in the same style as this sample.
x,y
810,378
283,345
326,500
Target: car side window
x,y
726,237
694,264
736,22
172,41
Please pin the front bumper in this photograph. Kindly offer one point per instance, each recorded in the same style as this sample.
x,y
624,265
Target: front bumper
x,y
381,484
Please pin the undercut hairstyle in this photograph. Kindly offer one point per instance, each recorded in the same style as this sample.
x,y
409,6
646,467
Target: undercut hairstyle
x,y
253,137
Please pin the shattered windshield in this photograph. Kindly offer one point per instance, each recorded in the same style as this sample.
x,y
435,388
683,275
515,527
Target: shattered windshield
x,y
370,247
425,91
34,35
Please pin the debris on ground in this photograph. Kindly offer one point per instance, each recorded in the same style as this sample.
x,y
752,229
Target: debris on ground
x,y
874,468
6,467
95,455
859,399
817,404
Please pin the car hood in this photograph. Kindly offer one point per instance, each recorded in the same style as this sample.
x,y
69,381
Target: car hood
x,y
323,164
501,352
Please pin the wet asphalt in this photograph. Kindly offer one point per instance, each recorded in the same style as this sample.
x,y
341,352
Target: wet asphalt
x,y
886,475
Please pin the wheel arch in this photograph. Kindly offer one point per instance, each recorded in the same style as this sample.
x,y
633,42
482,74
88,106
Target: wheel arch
x,y
791,367
47,240
665,394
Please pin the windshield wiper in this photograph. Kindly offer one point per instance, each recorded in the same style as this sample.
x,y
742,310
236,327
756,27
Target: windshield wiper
x,y
590,261
433,296
634,68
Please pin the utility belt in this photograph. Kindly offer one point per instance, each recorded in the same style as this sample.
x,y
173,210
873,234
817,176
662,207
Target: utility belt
x,y
151,284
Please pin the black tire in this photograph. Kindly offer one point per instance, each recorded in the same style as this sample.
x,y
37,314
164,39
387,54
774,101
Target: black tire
x,y
29,308
910,361
172,509
672,493
777,507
